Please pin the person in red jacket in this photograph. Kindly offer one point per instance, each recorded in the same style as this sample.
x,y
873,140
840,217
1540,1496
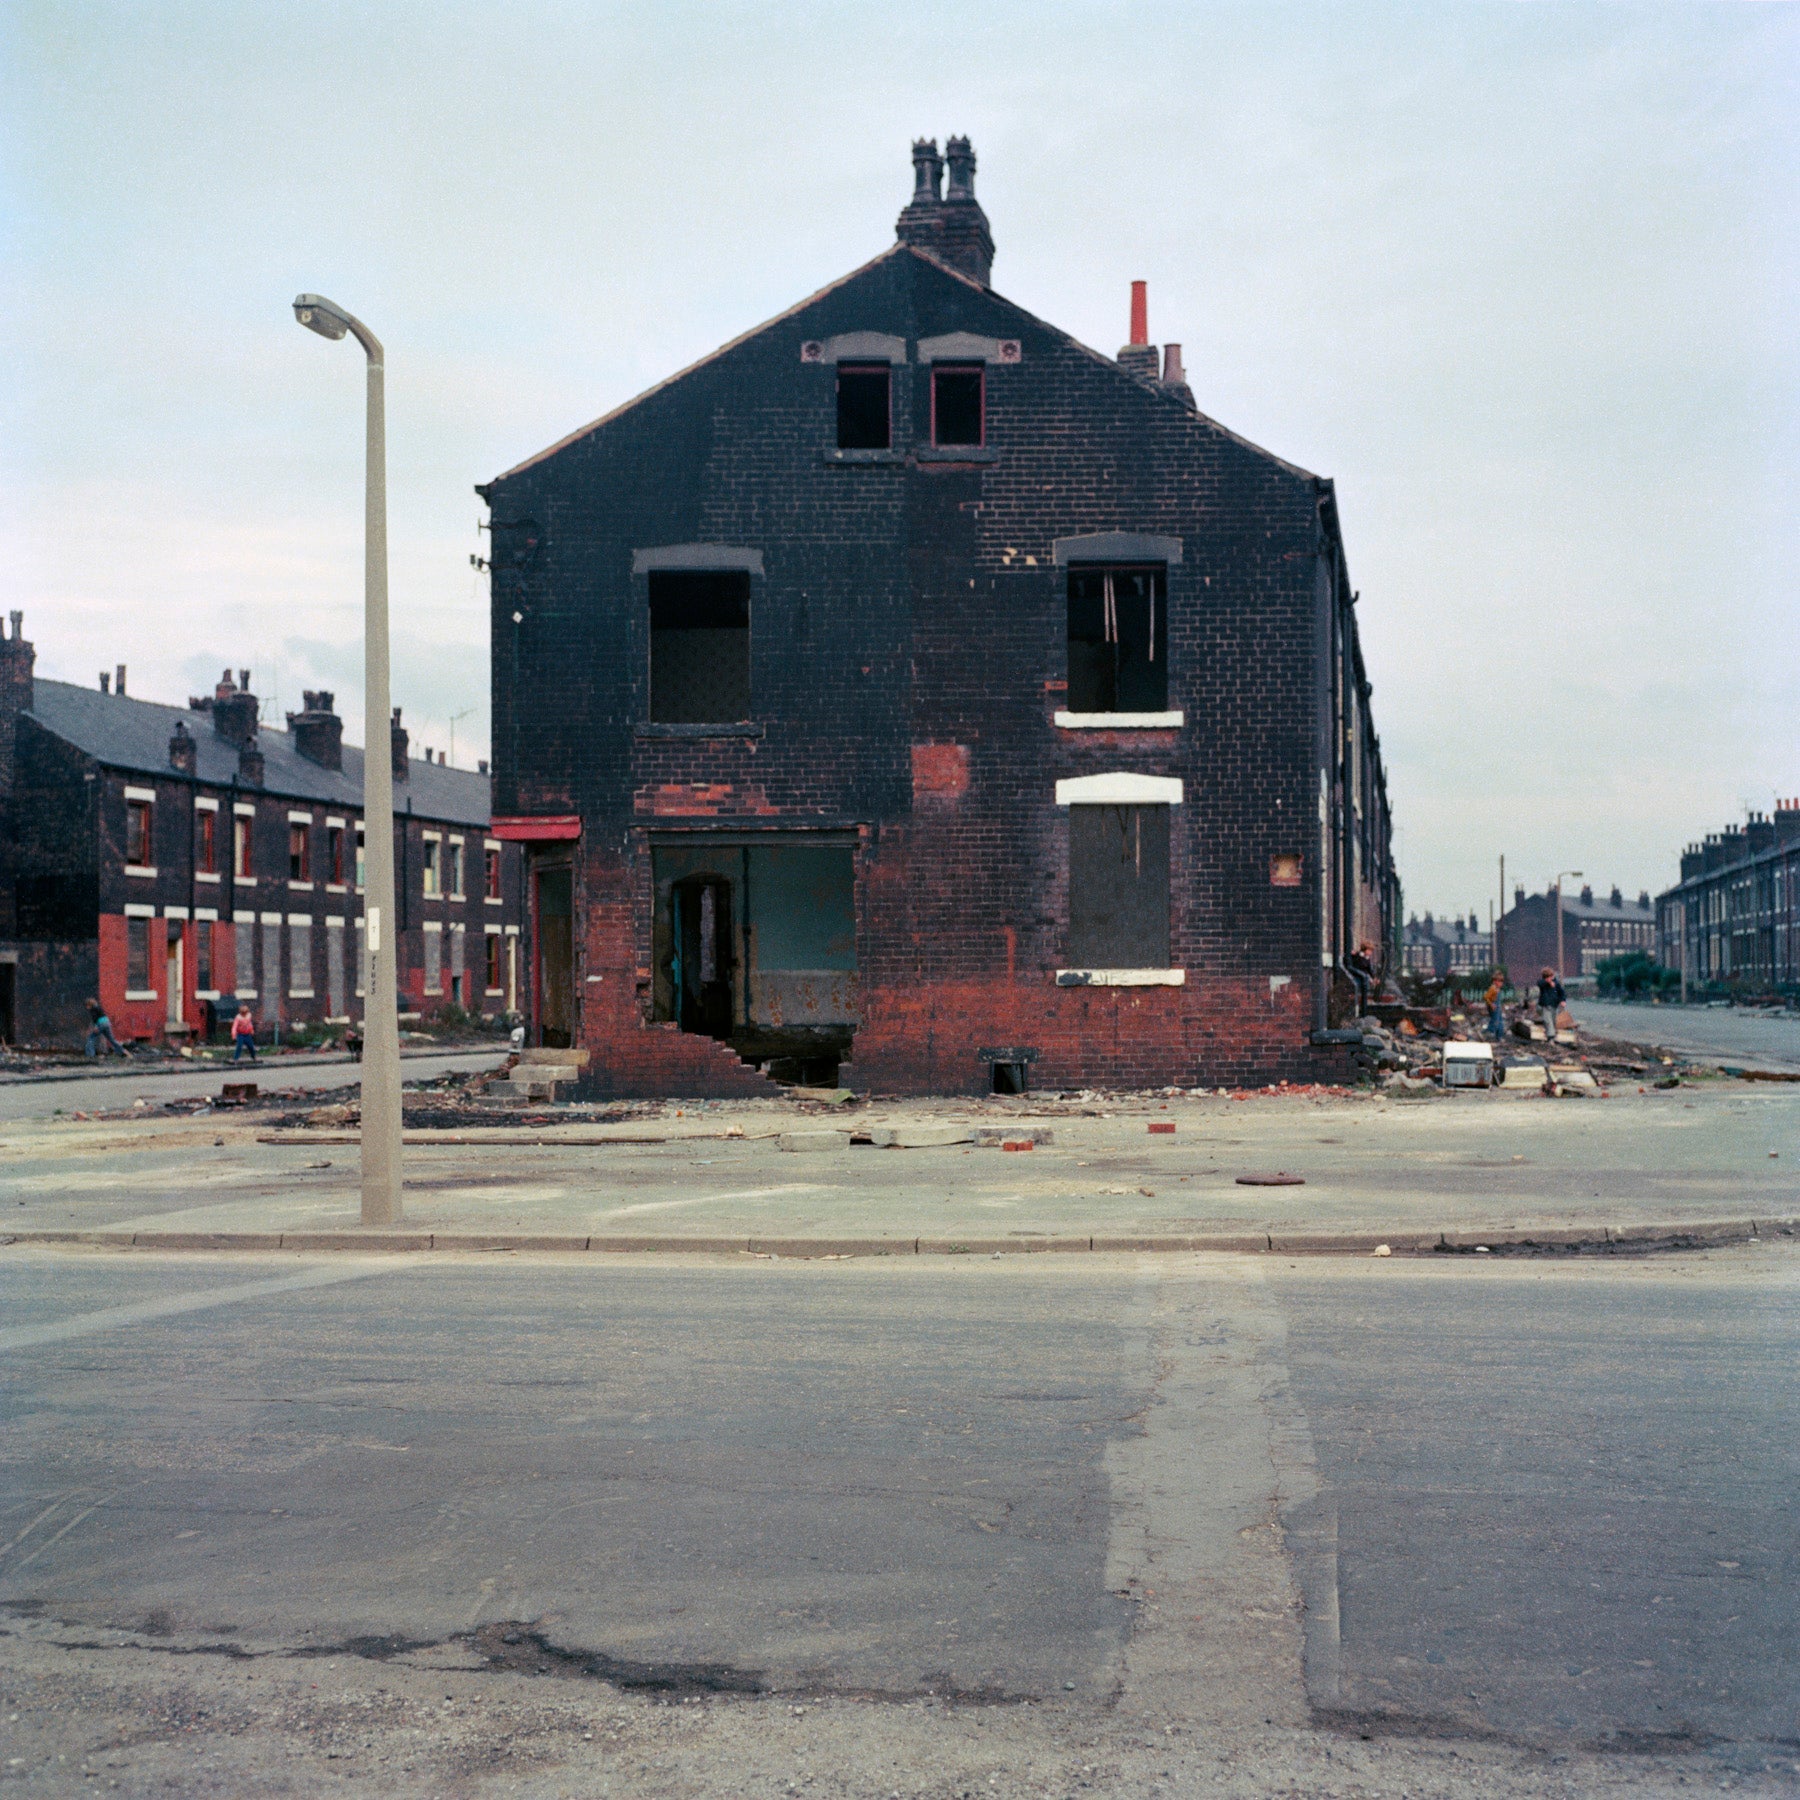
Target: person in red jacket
x,y
243,1033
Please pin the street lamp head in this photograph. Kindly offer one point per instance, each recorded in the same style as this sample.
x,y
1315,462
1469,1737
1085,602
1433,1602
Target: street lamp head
x,y
318,314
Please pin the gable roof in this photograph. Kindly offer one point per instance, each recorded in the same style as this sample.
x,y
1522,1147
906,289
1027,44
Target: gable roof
x,y
941,268
133,735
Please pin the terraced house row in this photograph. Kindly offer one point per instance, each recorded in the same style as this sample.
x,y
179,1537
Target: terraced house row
x,y
173,861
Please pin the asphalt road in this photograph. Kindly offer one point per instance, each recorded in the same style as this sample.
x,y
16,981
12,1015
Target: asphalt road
x,y
1757,1039
1519,1503
37,1098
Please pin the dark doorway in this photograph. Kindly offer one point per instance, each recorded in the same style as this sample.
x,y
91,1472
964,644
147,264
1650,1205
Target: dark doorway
x,y
9,975
555,958
701,948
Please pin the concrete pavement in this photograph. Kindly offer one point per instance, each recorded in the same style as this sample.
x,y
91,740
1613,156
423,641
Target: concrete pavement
x,y
1131,1526
1714,1156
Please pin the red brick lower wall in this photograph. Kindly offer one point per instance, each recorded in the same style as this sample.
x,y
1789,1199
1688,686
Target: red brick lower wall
x,y
1220,1032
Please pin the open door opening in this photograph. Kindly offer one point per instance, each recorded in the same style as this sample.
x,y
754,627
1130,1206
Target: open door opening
x,y
702,963
755,944
555,920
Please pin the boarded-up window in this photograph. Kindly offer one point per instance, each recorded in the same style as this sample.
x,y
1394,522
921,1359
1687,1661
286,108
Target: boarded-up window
x,y
1118,640
137,955
1119,887
496,969
244,941
334,968
203,956
300,972
434,960
271,960
699,646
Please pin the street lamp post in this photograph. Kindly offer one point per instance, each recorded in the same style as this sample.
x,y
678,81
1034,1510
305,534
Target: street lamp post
x,y
381,1022
1559,938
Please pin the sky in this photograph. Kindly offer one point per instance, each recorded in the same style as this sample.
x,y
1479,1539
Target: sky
x,y
1520,278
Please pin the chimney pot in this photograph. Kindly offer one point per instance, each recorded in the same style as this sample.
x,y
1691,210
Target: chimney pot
x,y
928,172
105,682
18,624
244,680
397,741
121,678
1139,356
1140,312
959,153
482,766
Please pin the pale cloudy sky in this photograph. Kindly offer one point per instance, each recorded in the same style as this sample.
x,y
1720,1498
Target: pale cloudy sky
x,y
1521,278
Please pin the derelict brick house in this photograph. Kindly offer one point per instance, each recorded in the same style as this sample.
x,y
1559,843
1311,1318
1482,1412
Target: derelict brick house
x,y
168,860
906,689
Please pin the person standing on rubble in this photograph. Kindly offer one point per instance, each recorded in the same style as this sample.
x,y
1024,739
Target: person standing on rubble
x,y
1496,1011
1550,1000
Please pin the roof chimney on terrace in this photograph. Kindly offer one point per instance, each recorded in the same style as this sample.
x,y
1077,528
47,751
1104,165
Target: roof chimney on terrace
x,y
318,731
398,739
1139,356
950,225
1174,378
234,710
184,753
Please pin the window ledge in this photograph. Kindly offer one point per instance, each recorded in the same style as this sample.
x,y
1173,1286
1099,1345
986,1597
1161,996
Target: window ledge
x,y
243,881
494,900
140,869
206,875
863,456
336,887
301,994
1121,721
299,887
1121,977
662,728
957,453
141,994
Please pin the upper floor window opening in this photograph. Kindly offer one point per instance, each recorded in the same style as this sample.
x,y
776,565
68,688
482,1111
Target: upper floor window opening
x,y
431,869
699,646
864,406
334,855
241,846
491,872
138,853
1118,640
456,869
206,843
958,404
299,852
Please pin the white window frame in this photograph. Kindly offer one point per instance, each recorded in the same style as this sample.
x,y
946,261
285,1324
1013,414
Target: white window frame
x,y
206,915
242,809
488,844
301,887
459,865
431,864
142,796
434,932
331,825
492,931
204,805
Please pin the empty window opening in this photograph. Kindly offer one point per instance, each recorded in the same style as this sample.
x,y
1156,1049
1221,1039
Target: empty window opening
x,y
699,646
1119,887
299,853
957,404
1009,1077
206,849
137,834
863,415
1118,640
334,855
240,847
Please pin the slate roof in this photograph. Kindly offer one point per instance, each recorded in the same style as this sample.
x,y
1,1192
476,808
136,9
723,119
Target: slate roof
x,y
129,734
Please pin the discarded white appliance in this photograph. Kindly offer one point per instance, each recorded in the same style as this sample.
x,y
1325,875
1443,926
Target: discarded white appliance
x,y
1468,1065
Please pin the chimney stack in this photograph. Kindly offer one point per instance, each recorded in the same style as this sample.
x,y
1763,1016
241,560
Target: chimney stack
x,y
949,224
318,731
1139,357
18,692
250,762
233,710
120,681
1174,378
105,682
184,753
398,740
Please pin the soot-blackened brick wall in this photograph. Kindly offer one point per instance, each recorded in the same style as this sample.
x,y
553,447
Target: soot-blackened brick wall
x,y
908,629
